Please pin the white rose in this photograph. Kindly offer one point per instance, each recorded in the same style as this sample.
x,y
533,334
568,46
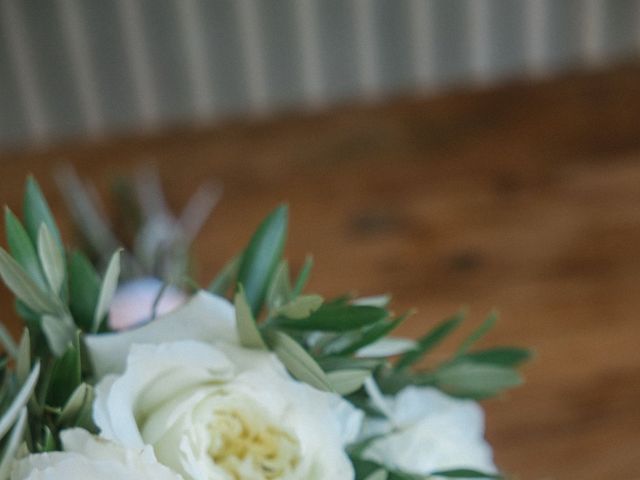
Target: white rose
x,y
430,432
216,411
91,458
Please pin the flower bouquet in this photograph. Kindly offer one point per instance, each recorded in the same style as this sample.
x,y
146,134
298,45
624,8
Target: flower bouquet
x,y
127,369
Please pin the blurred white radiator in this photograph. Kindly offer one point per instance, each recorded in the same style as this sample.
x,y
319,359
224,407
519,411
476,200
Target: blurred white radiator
x,y
73,68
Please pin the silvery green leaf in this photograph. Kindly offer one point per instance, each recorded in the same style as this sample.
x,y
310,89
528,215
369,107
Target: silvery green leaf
x,y
299,363
303,276
336,318
248,332
381,301
220,285
59,333
379,474
36,211
6,340
11,446
24,287
23,358
387,347
505,356
478,333
430,340
11,413
21,247
300,307
65,376
107,290
466,473
51,258
84,289
261,257
345,382
77,410
476,380
279,291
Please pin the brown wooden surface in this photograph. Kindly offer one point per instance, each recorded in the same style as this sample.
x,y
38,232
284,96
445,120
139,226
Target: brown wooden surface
x,y
521,198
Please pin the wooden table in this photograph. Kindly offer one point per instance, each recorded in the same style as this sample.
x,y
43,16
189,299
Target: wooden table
x,y
526,198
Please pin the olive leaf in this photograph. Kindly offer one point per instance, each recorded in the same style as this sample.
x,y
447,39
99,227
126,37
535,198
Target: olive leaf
x,y
51,259
298,361
107,290
248,332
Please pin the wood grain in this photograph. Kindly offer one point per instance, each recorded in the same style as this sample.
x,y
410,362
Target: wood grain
x,y
525,198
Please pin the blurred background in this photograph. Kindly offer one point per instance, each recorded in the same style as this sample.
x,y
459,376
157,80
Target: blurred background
x,y
451,152
74,69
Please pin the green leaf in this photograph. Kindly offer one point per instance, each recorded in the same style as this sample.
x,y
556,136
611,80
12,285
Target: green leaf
x,y
430,340
107,290
333,363
261,257
466,473
475,380
300,307
220,285
48,441
24,287
379,474
84,290
36,211
336,318
59,332
23,358
504,356
298,361
51,258
21,247
279,291
77,412
381,301
10,415
345,382
371,334
14,441
303,276
248,332
65,376
478,333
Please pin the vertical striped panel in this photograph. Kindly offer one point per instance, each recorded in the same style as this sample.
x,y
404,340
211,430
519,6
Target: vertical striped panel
x,y
451,41
620,28
13,123
536,36
192,27
81,65
421,27
284,77
564,31
394,45
224,54
53,69
250,29
21,58
167,60
338,43
309,54
113,77
131,23
508,52
72,67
